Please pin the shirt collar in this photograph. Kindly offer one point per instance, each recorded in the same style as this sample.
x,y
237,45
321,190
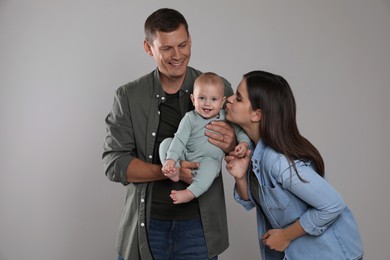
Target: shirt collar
x,y
259,150
186,87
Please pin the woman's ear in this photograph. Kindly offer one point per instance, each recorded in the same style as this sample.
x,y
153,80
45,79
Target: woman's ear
x,y
256,115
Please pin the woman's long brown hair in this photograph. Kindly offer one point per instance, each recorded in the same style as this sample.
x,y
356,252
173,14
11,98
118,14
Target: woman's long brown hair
x,y
278,129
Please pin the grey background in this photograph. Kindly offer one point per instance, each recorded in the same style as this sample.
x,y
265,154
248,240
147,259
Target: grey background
x,y
61,60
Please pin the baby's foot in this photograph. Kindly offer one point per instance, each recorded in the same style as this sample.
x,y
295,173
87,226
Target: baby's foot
x,y
181,196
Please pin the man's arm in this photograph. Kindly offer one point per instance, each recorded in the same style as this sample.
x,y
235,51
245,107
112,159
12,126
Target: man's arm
x,y
140,171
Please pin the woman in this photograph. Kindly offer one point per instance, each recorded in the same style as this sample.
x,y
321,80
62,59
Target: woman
x,y
299,214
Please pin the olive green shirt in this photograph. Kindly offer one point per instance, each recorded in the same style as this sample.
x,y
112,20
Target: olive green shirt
x,y
131,133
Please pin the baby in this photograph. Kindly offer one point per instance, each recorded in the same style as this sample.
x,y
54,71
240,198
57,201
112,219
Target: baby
x,y
191,144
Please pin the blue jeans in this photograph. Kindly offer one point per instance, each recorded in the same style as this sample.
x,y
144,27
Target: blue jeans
x,y
177,240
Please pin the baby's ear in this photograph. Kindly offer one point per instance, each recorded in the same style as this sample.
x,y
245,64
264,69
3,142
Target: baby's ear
x,y
192,99
223,101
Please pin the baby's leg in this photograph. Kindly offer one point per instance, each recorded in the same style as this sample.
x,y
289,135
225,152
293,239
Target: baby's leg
x,y
164,146
204,176
173,172
181,196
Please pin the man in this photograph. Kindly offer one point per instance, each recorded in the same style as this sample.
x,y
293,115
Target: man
x,y
144,113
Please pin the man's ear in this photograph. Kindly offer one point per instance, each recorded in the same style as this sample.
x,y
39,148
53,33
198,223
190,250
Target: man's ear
x,y
147,48
256,115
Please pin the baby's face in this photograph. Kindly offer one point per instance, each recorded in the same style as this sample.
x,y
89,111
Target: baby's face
x,y
208,99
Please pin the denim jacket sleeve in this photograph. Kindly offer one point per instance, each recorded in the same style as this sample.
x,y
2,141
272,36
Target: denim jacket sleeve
x,y
247,204
324,203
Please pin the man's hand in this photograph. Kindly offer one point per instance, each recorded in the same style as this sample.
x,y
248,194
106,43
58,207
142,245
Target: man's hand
x,y
224,138
186,168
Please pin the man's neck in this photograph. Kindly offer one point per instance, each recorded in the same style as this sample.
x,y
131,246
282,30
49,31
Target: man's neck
x,y
171,85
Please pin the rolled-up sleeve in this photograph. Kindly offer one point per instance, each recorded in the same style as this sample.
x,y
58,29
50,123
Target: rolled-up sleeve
x,y
119,145
325,203
247,204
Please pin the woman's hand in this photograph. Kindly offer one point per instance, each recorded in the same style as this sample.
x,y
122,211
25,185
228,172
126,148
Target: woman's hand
x,y
276,239
280,239
222,135
237,166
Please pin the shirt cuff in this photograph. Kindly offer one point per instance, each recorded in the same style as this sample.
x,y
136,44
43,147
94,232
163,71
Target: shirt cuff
x,y
121,166
247,204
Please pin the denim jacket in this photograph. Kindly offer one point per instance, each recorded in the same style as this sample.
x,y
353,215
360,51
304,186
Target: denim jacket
x,y
332,231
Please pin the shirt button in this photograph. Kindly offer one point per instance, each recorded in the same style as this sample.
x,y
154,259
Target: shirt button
x,y
157,95
158,112
153,134
150,156
142,224
162,98
142,200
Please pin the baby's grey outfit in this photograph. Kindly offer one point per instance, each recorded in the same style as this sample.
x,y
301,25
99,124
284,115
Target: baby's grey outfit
x,y
191,144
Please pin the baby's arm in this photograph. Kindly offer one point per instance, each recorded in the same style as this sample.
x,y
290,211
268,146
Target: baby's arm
x,y
241,149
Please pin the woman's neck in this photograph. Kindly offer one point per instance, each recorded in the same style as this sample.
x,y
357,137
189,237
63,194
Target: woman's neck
x,y
253,131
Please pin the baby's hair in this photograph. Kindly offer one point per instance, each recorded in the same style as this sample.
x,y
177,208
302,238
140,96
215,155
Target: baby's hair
x,y
209,78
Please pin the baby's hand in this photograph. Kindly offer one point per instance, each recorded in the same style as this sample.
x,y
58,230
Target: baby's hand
x,y
168,167
170,170
241,149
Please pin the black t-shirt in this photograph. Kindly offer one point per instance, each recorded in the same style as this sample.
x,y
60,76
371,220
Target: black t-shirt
x,y
162,204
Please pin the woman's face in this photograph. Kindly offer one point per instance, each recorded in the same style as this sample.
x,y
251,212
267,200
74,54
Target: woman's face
x,y
238,107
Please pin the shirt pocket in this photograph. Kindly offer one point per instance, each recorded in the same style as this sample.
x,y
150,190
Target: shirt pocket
x,y
275,198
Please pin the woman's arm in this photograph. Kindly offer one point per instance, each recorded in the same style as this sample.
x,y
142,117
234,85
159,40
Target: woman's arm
x,y
325,203
237,167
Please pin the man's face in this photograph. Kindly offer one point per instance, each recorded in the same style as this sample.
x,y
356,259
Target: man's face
x,y
171,51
